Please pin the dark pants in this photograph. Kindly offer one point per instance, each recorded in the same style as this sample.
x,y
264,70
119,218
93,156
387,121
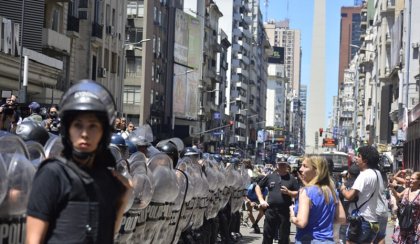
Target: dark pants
x,y
277,220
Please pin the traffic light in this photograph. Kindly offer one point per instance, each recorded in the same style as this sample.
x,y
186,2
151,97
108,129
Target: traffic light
x,y
320,132
231,122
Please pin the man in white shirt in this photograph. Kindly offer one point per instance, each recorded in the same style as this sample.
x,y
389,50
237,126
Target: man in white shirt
x,y
366,190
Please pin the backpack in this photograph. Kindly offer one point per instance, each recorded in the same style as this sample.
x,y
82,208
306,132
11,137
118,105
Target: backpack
x,y
405,216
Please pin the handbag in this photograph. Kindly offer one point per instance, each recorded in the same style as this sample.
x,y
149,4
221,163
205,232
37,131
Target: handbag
x,y
405,216
355,219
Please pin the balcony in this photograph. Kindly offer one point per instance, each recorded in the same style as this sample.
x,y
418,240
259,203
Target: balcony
x,y
97,30
362,36
235,78
248,20
235,63
242,85
236,48
247,33
72,26
241,98
244,59
55,41
246,46
242,72
237,32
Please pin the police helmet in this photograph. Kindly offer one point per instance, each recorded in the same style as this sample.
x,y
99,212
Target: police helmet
x,y
29,130
138,140
118,140
234,160
189,151
131,147
218,158
171,150
87,96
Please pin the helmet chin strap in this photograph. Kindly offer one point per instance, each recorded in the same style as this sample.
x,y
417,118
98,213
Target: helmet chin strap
x,y
83,156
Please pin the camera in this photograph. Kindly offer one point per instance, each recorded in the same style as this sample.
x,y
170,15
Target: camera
x,y
354,218
8,109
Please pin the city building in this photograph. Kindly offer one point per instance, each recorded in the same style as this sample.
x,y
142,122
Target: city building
x,y
350,31
246,75
67,41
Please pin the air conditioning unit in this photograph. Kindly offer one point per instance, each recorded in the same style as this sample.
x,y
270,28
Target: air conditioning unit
x,y
102,72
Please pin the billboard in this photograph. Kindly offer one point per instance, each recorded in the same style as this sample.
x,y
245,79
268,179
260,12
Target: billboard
x,y
185,93
188,58
181,37
278,56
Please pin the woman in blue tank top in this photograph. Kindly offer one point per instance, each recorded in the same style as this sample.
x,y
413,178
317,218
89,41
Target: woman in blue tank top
x,y
317,205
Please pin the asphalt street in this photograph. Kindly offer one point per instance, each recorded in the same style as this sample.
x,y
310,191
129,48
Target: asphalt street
x,y
251,238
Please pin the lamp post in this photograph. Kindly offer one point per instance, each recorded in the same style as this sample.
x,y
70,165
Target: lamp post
x,y
22,86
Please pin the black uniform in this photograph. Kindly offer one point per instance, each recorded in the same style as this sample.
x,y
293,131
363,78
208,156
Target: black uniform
x,y
79,206
277,214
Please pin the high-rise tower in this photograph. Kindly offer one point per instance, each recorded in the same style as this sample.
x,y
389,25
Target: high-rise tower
x,y
316,103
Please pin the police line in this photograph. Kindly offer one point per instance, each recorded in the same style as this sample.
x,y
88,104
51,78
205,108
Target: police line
x,y
165,200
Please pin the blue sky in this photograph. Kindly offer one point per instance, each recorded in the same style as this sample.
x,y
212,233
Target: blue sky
x,y
300,15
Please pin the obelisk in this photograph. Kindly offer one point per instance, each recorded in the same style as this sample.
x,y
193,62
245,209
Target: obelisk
x,y
316,102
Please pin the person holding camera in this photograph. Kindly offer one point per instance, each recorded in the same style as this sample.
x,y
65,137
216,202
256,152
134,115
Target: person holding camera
x,y
52,123
366,189
9,118
282,187
348,177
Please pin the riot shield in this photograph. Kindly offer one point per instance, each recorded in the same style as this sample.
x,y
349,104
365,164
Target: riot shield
x,y
3,180
133,222
160,208
19,176
144,131
36,152
53,147
212,180
178,208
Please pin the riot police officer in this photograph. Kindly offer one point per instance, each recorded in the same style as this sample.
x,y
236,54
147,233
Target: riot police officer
x,y
77,198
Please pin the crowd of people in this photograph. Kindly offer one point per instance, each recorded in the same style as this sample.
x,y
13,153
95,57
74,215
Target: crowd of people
x,y
109,173
359,200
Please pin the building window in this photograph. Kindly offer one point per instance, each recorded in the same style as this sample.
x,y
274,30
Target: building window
x,y
131,95
114,63
56,19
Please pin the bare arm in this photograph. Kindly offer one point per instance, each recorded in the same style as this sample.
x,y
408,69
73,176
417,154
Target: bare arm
x,y
36,229
301,220
398,195
348,194
340,215
397,177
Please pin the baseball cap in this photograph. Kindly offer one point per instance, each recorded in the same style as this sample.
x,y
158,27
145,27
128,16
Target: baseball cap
x,y
280,159
344,172
34,106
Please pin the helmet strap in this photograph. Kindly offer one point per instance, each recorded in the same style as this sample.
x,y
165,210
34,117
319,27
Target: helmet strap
x,y
84,158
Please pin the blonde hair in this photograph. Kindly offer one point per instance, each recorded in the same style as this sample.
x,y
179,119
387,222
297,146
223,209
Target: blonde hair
x,y
322,177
